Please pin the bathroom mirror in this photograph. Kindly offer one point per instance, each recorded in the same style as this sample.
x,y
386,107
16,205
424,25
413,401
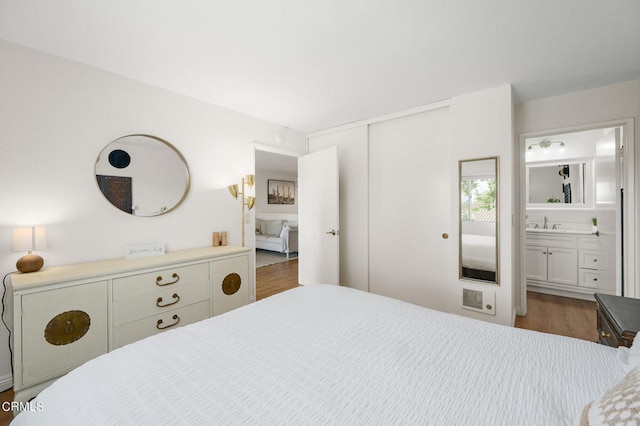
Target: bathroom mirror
x,y
478,245
142,175
558,184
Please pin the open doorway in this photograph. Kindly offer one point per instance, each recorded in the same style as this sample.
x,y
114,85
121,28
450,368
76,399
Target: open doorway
x,y
577,204
276,222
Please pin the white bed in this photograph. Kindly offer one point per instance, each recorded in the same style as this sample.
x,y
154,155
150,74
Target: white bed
x,y
479,252
333,355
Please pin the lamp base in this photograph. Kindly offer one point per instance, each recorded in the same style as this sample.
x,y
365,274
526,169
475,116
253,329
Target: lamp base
x,y
30,263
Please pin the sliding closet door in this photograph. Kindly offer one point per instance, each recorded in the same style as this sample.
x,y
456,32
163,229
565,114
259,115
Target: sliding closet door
x,y
413,202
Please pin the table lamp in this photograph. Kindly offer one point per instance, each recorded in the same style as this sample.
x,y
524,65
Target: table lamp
x,y
29,239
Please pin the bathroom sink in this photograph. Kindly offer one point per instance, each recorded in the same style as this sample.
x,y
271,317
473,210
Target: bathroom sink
x,y
558,231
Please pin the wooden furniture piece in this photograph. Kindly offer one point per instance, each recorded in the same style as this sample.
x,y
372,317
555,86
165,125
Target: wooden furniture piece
x,y
618,319
66,315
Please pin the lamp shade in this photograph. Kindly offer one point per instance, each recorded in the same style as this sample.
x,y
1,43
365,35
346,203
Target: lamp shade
x,y
29,238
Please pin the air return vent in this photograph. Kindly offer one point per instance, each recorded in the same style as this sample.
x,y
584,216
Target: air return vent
x,y
479,301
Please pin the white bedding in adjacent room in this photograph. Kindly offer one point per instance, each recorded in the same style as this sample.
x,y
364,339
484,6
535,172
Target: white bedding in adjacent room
x,y
479,252
334,355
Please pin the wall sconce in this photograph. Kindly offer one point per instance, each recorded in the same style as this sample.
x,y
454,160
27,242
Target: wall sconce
x,y
249,201
29,239
546,145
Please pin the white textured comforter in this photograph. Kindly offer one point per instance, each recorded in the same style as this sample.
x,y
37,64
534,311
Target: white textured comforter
x,y
336,356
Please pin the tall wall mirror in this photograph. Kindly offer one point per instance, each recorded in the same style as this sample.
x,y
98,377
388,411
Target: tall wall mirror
x,y
142,175
479,251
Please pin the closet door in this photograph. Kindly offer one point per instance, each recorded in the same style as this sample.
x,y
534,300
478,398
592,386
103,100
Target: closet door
x,y
413,202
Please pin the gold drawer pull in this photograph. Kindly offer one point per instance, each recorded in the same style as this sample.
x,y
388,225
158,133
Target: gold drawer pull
x,y
175,296
175,317
605,334
174,276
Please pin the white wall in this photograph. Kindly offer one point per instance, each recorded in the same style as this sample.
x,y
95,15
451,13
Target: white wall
x,y
483,127
57,115
262,204
604,104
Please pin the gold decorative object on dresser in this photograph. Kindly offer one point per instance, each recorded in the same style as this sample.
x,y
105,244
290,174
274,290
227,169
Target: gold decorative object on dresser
x,y
66,315
618,319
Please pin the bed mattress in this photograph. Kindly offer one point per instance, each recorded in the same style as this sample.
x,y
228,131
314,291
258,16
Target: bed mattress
x,y
334,355
479,252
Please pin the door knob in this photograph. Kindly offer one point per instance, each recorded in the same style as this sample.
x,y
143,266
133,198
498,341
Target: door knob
x,y
333,232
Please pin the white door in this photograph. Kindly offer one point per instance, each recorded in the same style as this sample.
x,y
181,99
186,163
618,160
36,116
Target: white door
x,y
318,209
536,261
562,266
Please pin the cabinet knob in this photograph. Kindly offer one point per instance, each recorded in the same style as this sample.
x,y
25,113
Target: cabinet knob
x,y
595,260
605,334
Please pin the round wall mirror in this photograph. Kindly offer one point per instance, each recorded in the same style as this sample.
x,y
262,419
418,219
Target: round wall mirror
x,y
142,175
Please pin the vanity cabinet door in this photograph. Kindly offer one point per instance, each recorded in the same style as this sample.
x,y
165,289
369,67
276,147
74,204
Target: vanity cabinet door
x,y
61,329
537,263
562,266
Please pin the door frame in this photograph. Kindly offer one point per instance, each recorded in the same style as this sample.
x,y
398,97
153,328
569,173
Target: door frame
x,y
631,285
257,146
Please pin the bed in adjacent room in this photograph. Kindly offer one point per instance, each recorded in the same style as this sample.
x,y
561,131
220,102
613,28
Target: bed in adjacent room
x,y
334,355
479,256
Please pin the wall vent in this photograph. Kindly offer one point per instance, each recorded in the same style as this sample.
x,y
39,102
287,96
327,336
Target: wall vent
x,y
479,301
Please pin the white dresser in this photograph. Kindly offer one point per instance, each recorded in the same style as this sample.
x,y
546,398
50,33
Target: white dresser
x,y
66,315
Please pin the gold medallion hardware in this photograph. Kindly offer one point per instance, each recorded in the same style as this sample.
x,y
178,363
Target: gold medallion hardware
x,y
445,235
231,284
67,327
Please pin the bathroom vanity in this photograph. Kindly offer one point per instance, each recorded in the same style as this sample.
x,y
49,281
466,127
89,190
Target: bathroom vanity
x,y
569,263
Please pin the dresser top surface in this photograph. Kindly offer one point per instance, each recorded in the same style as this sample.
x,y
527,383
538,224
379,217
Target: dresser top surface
x,y
102,268
624,311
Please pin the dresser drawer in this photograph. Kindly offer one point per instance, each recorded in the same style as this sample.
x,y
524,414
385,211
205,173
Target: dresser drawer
x,y
590,260
170,278
136,330
159,301
606,335
589,278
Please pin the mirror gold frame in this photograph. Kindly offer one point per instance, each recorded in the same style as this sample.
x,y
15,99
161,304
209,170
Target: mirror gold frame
x,y
478,220
142,175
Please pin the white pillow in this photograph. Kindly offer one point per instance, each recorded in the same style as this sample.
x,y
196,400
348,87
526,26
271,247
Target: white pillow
x,y
273,227
620,405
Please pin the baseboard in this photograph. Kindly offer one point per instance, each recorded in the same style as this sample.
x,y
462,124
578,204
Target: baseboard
x,y
6,382
563,293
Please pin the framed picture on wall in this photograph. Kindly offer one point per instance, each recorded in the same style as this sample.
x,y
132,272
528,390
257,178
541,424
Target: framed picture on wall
x,y
281,191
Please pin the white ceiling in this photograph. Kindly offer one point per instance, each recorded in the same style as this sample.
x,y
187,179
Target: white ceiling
x,y
311,65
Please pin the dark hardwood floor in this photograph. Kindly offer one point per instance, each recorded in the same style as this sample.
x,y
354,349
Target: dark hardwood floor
x,y
276,278
560,315
5,415
546,313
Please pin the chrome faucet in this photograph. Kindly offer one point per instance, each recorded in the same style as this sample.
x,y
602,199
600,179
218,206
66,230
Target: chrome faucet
x,y
545,226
